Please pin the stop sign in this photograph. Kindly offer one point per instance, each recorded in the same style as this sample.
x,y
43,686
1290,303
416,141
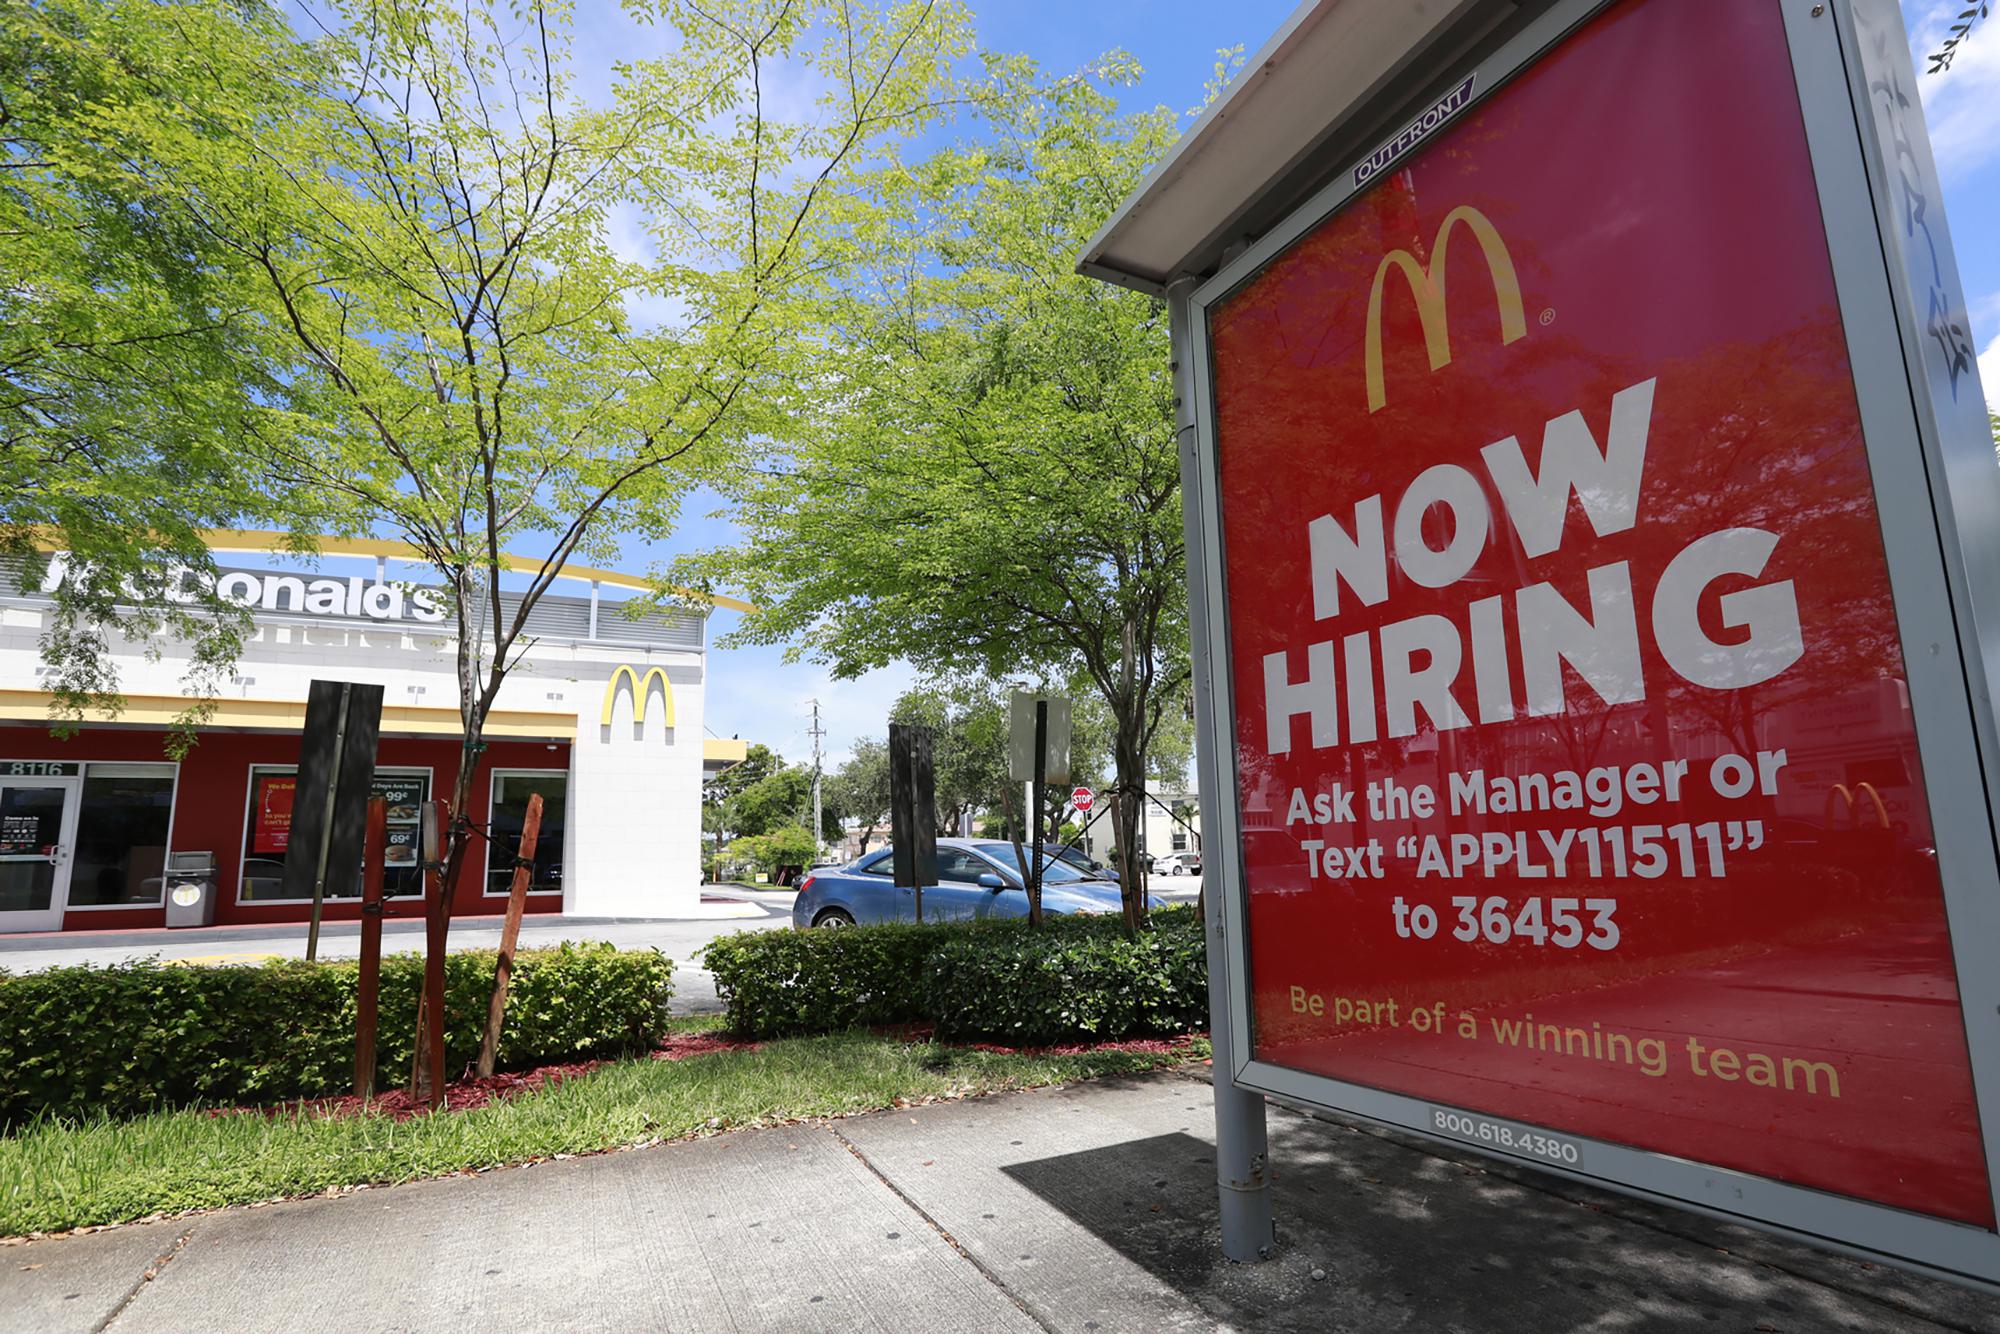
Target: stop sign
x,y
1081,798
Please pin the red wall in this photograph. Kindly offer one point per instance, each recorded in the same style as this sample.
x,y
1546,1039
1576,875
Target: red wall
x,y
211,807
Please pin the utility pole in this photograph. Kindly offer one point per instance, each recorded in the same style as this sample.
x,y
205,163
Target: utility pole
x,y
816,733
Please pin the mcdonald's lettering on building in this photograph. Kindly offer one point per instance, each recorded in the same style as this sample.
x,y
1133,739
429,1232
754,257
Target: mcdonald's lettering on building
x,y
602,719
1597,534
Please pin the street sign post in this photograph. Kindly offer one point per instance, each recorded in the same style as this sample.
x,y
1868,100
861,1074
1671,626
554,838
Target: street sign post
x,y
328,811
1545,634
912,810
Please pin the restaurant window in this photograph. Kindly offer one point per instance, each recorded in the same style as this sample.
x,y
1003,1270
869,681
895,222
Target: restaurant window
x,y
121,835
267,839
509,812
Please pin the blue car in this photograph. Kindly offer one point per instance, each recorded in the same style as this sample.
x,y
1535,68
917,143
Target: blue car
x,y
977,877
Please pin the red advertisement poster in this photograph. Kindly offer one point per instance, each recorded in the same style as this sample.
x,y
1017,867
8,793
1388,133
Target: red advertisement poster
x,y
271,813
1573,750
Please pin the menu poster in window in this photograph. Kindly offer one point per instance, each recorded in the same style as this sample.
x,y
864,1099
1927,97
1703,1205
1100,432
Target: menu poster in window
x,y
271,814
402,846
405,795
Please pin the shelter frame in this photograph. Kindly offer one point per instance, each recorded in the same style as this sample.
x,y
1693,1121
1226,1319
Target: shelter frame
x,y
1941,535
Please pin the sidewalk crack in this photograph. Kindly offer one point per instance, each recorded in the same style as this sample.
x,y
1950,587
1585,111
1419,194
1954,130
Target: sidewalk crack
x,y
937,1227
153,1271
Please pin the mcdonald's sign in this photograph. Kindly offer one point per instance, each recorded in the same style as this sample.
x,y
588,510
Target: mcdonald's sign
x,y
1427,286
642,688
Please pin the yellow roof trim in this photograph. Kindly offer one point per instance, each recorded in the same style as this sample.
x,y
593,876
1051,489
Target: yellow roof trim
x,y
726,750
269,543
278,714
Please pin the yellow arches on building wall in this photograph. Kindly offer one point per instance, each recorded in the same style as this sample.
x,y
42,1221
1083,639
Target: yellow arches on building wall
x,y
642,688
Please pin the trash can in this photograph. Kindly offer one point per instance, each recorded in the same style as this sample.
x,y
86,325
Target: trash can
x,y
191,891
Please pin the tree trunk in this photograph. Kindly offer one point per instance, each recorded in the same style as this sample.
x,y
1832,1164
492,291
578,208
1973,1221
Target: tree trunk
x,y
1129,795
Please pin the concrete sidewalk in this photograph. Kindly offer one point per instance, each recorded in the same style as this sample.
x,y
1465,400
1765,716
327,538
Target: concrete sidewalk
x,y
1084,1208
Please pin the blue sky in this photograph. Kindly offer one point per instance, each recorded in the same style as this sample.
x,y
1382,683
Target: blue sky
x,y
755,693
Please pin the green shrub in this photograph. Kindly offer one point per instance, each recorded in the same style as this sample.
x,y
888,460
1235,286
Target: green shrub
x,y
1076,978
132,1037
1027,988
785,982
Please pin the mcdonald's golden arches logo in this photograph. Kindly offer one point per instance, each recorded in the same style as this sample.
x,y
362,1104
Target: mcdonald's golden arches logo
x,y
1863,795
642,689
1427,286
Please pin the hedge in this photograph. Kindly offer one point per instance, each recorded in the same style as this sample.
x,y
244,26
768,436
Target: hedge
x,y
1075,978
132,1037
1024,989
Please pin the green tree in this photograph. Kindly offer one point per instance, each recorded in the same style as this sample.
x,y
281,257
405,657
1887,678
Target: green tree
x,y
859,789
986,481
1956,35
131,352
779,799
968,726
759,761
461,370
787,845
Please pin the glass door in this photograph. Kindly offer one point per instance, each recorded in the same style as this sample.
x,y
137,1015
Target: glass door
x,y
37,838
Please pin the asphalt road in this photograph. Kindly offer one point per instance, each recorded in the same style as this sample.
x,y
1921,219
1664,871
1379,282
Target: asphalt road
x,y
680,939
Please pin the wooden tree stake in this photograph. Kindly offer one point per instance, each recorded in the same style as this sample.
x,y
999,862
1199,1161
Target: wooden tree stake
x,y
510,934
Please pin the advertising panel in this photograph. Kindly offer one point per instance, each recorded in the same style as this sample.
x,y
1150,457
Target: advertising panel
x,y
1576,754
271,821
271,814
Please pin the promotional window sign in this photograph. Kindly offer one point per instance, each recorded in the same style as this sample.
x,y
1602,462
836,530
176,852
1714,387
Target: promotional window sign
x,y
1576,771
271,814
271,817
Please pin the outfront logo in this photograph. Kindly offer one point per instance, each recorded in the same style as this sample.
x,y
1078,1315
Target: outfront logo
x,y
642,689
1427,286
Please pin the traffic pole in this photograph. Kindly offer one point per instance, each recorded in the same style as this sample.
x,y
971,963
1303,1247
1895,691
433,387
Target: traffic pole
x,y
1037,799
368,981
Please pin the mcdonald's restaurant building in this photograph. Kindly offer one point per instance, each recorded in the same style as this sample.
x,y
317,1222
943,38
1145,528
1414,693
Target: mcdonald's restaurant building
x,y
602,717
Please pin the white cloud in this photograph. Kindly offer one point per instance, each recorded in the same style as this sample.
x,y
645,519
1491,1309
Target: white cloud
x,y
1962,105
1989,373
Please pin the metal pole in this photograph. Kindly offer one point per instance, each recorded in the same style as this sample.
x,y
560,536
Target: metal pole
x,y
1035,849
431,1015
817,733
326,823
1242,1145
368,982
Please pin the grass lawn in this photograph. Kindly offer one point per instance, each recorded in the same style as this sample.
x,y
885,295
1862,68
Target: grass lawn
x,y
55,1176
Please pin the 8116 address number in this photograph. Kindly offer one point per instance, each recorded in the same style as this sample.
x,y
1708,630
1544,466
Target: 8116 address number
x,y
1500,1135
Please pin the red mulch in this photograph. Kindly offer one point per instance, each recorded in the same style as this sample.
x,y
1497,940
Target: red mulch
x,y
459,1096
1144,1046
678,1046
465,1094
